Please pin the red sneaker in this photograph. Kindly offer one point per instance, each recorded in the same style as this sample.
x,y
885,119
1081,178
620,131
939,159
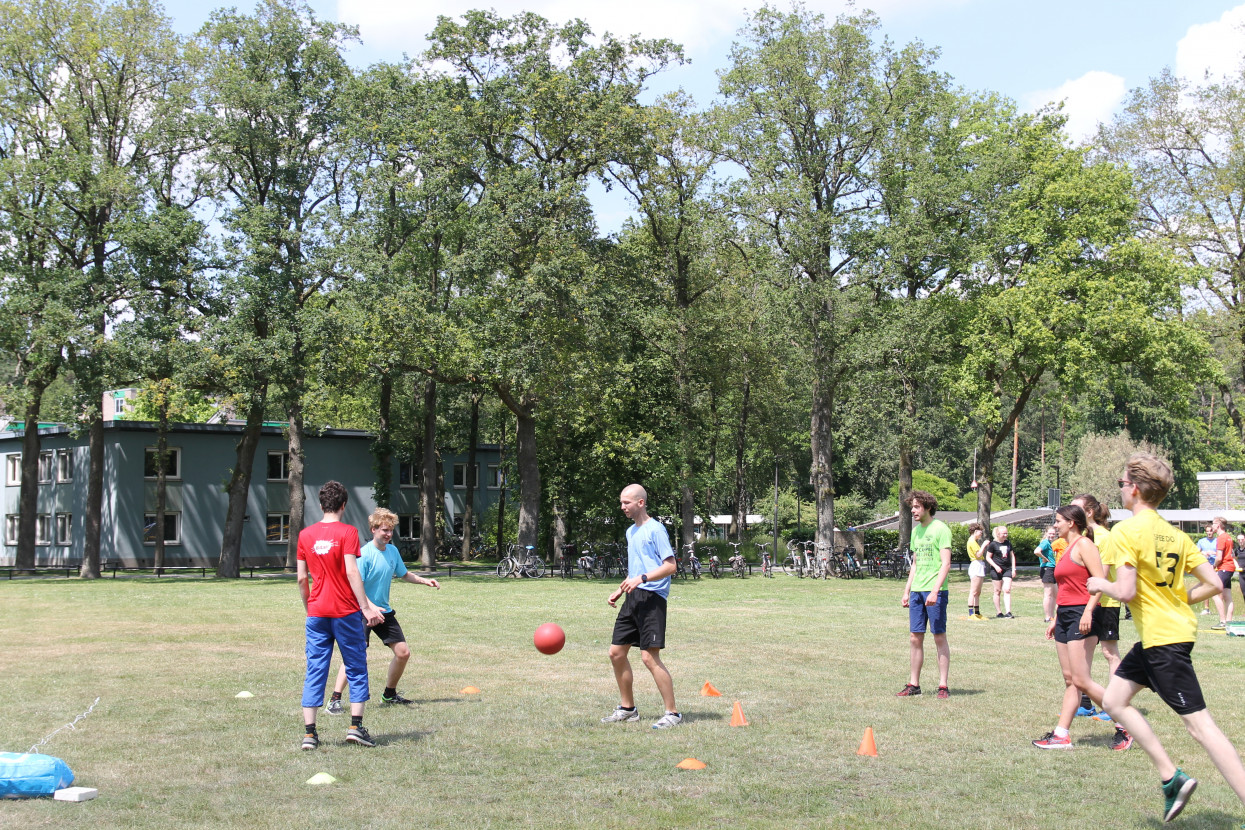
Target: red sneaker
x,y
1049,741
908,691
943,693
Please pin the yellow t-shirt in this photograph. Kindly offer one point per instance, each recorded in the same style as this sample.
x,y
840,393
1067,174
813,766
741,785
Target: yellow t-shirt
x,y
1162,556
974,550
1101,537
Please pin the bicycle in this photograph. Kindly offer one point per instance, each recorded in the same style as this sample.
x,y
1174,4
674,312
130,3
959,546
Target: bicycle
x,y
737,561
767,560
566,562
793,565
693,564
715,566
521,562
814,566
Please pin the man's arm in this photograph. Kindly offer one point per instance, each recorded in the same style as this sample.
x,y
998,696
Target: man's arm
x,y
943,570
371,614
665,569
415,579
304,589
1209,584
1124,588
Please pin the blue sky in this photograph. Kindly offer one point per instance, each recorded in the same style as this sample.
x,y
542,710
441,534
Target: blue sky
x,y
1087,53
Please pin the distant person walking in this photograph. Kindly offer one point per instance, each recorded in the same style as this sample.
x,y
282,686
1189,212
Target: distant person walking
x,y
1207,547
1046,571
976,569
925,593
1001,560
1225,568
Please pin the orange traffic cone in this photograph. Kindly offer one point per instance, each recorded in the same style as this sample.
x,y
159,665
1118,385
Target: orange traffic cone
x,y
867,746
707,690
469,690
737,716
690,763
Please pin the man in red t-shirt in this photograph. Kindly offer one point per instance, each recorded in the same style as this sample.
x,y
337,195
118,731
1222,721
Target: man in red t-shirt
x,y
336,609
1225,567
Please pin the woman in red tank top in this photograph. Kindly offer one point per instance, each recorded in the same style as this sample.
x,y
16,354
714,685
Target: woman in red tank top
x,y
1072,629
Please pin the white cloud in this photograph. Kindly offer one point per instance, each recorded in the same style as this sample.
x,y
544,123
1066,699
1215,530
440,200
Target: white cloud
x,y
1212,49
1087,101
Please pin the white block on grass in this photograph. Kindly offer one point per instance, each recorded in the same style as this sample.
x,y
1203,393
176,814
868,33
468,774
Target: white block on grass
x,y
75,794
244,694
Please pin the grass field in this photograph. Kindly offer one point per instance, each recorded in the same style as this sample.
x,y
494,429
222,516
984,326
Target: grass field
x,y
169,746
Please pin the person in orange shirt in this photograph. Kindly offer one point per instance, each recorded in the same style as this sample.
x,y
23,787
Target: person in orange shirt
x,y
1225,567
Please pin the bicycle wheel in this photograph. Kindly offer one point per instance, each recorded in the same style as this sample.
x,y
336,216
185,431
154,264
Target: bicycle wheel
x,y
536,567
715,570
789,566
505,567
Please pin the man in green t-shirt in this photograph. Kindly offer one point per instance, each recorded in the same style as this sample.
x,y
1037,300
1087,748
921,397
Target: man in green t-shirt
x,y
925,594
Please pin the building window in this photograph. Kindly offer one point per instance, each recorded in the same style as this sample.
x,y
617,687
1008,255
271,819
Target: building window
x,y
64,528
172,463
10,529
46,466
496,477
64,465
408,527
43,529
408,474
278,524
172,528
13,469
278,466
460,476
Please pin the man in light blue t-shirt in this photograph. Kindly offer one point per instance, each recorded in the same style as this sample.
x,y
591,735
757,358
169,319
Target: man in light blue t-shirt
x,y
380,562
641,621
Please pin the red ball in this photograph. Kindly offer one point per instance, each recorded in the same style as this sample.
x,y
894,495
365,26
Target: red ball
x,y
549,638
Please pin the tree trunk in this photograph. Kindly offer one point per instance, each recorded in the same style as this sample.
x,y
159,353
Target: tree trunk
x,y
503,484
739,520
529,476
28,498
559,530
240,487
821,474
985,484
905,492
469,498
428,479
94,519
298,493
382,447
162,452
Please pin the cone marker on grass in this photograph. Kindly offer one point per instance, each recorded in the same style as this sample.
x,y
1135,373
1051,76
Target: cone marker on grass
x,y
708,690
867,745
737,715
691,763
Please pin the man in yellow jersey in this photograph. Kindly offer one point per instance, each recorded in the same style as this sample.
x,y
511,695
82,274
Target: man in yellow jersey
x,y
1151,560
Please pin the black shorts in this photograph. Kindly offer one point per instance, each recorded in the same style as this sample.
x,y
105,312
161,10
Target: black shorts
x,y
1047,572
641,620
388,630
1168,672
999,577
1107,623
1225,579
1068,624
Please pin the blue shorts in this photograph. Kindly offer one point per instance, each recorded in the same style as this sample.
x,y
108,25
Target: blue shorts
x,y
350,634
919,613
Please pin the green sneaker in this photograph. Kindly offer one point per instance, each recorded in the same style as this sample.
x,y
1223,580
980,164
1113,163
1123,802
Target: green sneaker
x,y
1176,794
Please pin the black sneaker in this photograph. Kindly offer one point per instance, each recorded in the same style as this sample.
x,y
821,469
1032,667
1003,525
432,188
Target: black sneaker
x,y
310,741
908,691
1000,616
397,698
1009,615
358,735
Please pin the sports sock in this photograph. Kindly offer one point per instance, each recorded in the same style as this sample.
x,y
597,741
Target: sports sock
x,y
1060,732
356,720
390,691
310,729
335,696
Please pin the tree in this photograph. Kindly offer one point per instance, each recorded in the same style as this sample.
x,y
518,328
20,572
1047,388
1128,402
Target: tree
x,y
545,106
94,93
1183,145
1098,462
274,87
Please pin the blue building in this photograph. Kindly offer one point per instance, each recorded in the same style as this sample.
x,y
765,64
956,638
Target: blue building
x,y
198,469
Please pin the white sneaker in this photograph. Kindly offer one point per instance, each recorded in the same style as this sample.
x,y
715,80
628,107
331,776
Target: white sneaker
x,y
668,720
621,715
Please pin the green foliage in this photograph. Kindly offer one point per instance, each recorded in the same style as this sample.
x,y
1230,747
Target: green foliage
x,y
1099,462
185,406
